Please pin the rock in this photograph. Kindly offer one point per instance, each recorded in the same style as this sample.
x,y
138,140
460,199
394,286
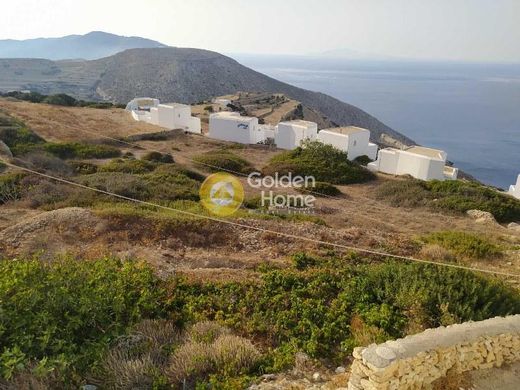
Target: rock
x,y
268,377
89,387
482,216
5,152
340,370
316,377
514,226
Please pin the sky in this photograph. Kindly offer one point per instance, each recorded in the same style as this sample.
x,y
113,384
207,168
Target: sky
x,y
459,30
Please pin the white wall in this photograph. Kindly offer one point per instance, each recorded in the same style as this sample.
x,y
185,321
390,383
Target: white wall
x,y
401,162
230,126
291,134
355,144
514,190
372,151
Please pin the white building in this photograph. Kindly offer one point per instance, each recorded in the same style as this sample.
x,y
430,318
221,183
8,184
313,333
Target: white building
x,y
170,116
291,134
355,141
140,108
514,189
417,161
230,126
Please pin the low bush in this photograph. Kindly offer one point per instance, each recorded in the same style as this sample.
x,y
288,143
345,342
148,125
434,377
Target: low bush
x,y
324,162
76,150
82,167
464,244
321,189
451,196
128,166
45,162
158,157
11,187
222,160
60,99
62,314
363,160
125,184
19,138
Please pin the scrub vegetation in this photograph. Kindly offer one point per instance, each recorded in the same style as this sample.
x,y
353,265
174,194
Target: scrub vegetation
x,y
454,196
67,319
324,162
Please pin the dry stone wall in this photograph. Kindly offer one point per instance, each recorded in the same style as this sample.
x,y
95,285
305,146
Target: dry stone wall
x,y
414,362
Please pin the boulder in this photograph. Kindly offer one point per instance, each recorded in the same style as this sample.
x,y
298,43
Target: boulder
x,y
514,226
5,152
482,216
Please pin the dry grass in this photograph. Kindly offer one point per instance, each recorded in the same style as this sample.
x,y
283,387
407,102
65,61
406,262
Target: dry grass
x,y
206,332
211,348
437,253
56,123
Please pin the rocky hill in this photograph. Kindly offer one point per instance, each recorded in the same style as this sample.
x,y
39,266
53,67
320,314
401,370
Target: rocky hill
x,y
171,74
96,44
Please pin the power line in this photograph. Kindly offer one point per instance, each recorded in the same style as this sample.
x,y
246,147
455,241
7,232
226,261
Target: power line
x,y
263,230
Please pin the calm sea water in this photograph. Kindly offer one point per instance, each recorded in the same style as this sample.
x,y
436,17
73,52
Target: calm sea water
x,y
472,111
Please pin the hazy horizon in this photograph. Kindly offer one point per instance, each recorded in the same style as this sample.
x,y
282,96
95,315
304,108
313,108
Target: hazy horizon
x,y
445,30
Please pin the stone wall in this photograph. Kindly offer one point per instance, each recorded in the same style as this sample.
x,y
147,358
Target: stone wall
x,y
414,362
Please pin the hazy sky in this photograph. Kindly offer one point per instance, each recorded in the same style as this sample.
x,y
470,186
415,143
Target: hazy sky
x,y
486,30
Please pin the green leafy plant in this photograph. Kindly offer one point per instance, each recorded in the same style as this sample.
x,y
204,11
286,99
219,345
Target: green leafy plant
x,y
324,162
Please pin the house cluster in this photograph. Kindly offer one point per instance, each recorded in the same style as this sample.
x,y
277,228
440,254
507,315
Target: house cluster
x,y
514,189
170,116
417,161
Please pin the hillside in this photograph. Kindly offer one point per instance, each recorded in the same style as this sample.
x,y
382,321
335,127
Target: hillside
x,y
95,44
171,74
100,290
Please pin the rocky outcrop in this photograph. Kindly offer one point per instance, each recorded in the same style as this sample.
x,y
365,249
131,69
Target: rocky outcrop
x,y
482,216
415,362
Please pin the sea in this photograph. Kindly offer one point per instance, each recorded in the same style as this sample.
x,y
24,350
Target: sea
x,y
470,110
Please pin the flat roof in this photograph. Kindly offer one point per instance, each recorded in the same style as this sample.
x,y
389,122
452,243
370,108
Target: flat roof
x,y
428,152
299,122
231,115
346,130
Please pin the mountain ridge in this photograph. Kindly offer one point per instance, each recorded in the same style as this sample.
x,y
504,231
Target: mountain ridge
x,y
93,45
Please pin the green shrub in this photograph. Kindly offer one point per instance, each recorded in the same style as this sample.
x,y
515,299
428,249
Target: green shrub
x,y
128,166
460,196
321,188
223,160
76,150
60,99
312,309
119,183
18,138
10,187
324,162
464,244
363,160
83,168
65,312
158,157
452,196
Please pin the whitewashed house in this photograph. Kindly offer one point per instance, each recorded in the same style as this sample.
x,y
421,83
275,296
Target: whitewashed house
x,y
170,116
230,126
291,134
355,141
417,161
514,189
140,108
